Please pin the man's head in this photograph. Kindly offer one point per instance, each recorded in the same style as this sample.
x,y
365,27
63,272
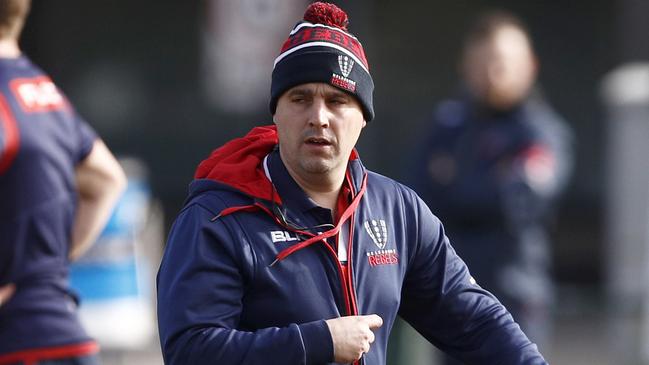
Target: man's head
x,y
321,95
320,49
498,64
12,17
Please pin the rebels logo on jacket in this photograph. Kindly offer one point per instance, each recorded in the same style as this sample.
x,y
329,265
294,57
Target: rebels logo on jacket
x,y
378,231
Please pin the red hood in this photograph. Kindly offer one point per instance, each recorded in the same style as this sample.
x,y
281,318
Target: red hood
x,y
238,163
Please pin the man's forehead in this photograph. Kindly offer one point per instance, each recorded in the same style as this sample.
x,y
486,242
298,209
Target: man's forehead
x,y
316,88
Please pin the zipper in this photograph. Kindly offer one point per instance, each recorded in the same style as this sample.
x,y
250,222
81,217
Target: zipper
x,y
346,280
341,274
350,259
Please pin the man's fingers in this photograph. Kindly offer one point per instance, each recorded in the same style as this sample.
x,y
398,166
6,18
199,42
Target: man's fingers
x,y
366,349
371,338
373,321
353,335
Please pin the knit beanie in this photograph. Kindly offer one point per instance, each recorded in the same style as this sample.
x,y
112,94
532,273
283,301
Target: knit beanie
x,y
320,49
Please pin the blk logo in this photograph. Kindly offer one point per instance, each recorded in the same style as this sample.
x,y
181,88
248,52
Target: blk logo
x,y
282,236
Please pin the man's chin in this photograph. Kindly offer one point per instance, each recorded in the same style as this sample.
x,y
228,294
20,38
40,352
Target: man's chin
x,y
317,166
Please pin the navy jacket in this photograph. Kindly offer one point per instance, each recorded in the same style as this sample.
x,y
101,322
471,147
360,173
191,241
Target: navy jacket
x,y
248,278
493,178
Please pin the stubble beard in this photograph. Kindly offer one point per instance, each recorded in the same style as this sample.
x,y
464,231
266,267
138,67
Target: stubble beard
x,y
316,165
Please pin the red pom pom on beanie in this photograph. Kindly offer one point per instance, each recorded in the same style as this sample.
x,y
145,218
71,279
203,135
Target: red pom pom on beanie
x,y
327,14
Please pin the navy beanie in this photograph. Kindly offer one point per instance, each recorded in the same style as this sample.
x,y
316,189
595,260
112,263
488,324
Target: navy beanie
x,y
319,49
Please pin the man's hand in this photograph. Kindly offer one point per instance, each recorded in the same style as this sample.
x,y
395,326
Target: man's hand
x,y
352,336
6,291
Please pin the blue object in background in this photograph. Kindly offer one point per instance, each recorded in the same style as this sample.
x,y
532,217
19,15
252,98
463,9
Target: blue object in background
x,y
114,279
109,269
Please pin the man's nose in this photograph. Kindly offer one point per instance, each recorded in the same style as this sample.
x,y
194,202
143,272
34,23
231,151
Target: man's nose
x,y
319,114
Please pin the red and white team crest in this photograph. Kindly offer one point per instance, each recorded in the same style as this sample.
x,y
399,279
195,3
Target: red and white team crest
x,y
378,232
346,64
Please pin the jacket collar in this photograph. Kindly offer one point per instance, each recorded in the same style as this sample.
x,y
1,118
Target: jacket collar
x,y
239,165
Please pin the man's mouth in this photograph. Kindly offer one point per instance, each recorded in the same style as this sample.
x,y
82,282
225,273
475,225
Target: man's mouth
x,y
318,141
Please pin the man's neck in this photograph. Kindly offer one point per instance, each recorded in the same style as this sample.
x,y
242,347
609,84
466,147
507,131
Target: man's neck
x,y
322,189
9,48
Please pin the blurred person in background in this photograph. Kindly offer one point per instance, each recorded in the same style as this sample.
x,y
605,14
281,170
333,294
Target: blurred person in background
x,y
58,186
288,251
493,166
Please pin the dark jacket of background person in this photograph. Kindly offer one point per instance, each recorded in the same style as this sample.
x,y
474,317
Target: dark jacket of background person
x,y
493,177
492,166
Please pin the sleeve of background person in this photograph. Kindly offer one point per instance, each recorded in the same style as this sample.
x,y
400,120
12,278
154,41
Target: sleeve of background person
x,y
442,301
100,182
553,132
541,171
201,285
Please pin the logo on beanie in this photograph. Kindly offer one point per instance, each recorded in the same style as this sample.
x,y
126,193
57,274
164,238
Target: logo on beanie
x,y
343,83
346,64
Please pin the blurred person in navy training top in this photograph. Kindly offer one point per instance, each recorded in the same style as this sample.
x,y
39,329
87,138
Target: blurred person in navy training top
x,y
493,166
58,185
288,251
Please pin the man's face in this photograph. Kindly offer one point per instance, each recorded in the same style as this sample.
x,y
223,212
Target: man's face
x,y
501,70
318,126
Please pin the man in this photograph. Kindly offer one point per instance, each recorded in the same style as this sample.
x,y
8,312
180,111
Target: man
x,y
58,185
288,251
493,165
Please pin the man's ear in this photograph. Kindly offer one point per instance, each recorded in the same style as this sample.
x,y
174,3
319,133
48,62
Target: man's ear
x,y
364,123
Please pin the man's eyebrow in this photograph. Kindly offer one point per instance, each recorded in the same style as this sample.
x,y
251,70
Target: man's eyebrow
x,y
300,91
337,94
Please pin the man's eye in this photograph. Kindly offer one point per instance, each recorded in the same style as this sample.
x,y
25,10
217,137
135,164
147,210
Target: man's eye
x,y
338,101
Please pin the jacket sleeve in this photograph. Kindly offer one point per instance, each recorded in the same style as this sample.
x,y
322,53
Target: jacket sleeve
x,y
201,284
538,172
441,301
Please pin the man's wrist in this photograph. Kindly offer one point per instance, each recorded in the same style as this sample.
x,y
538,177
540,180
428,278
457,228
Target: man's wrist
x,y
318,344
